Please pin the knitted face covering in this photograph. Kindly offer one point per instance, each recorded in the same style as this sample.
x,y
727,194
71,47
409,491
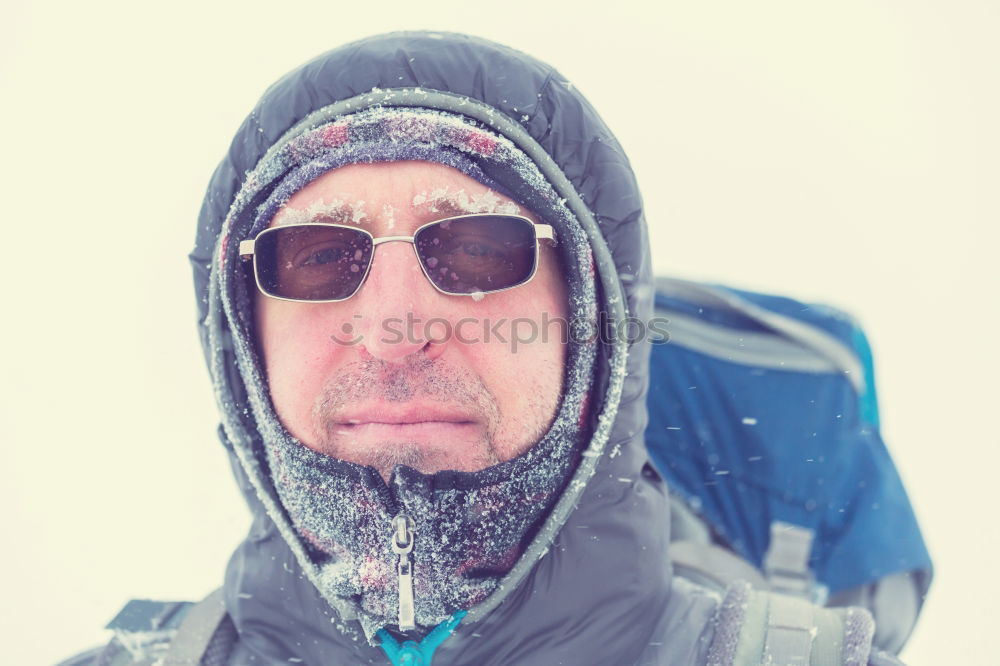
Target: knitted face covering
x,y
417,549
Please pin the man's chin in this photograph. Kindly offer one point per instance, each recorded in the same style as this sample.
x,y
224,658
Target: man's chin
x,y
436,449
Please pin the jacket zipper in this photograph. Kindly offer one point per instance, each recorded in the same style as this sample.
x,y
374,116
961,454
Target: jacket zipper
x,y
402,545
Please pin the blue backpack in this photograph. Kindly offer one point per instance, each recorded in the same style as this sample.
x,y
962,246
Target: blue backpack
x,y
763,420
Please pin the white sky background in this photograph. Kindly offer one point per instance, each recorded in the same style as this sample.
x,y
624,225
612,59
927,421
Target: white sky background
x,y
841,152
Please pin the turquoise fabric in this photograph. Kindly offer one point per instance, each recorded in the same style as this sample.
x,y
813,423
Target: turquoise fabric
x,y
869,399
411,653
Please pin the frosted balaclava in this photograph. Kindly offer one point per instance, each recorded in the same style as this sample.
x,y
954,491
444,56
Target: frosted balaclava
x,y
468,527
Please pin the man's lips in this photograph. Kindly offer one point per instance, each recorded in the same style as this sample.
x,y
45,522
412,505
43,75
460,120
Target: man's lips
x,y
403,415
428,436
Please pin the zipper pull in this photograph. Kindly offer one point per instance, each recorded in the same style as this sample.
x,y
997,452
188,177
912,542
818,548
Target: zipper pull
x,y
402,545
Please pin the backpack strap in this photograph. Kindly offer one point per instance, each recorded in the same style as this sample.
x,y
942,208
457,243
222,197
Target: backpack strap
x,y
712,566
143,629
754,628
786,562
205,636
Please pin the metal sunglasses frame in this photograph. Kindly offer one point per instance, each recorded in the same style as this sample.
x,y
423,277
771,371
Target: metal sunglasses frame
x,y
542,232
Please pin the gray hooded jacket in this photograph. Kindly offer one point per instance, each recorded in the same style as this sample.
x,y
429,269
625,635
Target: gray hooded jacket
x,y
604,548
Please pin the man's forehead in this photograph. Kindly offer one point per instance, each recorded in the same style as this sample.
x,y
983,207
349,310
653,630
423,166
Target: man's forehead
x,y
444,201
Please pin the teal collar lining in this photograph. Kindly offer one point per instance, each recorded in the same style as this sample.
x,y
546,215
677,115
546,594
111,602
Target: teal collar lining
x,y
411,653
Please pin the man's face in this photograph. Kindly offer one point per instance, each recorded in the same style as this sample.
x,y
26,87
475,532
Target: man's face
x,y
377,379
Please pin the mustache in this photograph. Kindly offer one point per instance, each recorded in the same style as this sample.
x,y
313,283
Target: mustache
x,y
413,379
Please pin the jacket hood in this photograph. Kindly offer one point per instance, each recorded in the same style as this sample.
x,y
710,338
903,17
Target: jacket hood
x,y
604,545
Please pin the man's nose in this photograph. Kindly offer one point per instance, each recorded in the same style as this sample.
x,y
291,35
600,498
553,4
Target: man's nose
x,y
400,313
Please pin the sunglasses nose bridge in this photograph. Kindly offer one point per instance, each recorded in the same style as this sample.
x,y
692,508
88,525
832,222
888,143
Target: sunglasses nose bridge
x,y
387,242
395,273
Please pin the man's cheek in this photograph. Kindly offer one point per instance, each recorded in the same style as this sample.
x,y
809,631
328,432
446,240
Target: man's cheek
x,y
345,333
523,331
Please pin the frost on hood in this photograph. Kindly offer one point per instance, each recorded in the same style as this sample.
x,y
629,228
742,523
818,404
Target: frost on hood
x,y
471,528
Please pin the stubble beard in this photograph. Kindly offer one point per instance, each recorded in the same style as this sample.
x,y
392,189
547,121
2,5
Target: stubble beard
x,y
415,379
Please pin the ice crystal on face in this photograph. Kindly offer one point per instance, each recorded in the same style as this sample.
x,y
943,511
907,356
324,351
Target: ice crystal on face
x,y
459,201
335,211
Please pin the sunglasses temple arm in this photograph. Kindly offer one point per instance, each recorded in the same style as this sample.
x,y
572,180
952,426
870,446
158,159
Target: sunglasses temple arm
x,y
545,232
246,249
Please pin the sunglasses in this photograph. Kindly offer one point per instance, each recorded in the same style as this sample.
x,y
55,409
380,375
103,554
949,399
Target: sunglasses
x,y
467,255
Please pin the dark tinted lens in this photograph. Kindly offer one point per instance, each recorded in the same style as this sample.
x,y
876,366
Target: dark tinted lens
x,y
312,262
480,253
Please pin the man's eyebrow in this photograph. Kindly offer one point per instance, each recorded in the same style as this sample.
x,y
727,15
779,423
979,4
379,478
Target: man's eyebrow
x,y
449,208
333,212
458,202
